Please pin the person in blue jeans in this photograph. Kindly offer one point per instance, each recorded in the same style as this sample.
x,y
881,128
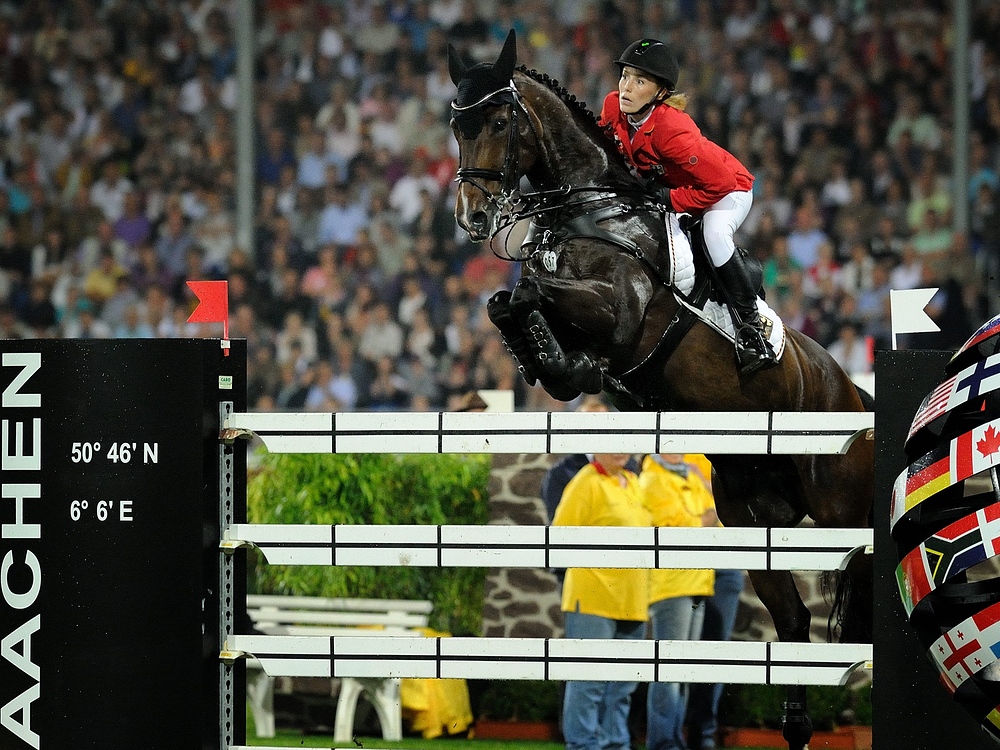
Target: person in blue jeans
x,y
602,602
703,698
720,618
675,496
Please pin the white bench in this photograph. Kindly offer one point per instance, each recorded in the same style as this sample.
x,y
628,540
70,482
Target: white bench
x,y
313,615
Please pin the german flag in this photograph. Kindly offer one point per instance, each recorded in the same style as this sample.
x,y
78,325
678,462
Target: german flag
x,y
925,477
970,453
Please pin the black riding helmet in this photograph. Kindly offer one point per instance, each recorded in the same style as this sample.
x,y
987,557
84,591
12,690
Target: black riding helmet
x,y
653,57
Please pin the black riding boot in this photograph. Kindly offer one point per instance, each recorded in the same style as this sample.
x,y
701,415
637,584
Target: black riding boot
x,y
753,351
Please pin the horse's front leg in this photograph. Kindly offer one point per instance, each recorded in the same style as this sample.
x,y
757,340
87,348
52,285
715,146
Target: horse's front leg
x,y
608,312
516,340
537,300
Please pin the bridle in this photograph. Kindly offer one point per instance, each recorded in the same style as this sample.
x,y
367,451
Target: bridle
x,y
508,175
511,204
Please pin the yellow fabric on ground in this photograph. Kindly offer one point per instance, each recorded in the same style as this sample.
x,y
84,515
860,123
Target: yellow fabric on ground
x,y
435,707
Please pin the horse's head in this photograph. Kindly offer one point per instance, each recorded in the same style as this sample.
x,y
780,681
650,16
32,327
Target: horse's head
x,y
486,125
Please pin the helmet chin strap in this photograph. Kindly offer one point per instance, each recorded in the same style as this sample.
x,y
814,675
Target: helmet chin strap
x,y
661,94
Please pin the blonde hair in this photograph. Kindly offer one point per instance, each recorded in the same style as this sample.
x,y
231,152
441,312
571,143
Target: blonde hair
x,y
592,402
677,100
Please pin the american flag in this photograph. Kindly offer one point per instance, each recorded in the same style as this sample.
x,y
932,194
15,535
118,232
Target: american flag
x,y
971,383
968,647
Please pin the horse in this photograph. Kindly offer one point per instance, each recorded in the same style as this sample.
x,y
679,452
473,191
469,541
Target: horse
x,y
595,310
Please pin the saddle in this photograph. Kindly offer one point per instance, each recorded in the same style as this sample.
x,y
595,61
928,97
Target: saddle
x,y
536,349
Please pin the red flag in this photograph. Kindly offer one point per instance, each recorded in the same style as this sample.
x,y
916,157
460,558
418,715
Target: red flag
x,y
213,305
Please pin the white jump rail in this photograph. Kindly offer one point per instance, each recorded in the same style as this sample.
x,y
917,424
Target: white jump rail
x,y
755,433
461,546
792,433
745,662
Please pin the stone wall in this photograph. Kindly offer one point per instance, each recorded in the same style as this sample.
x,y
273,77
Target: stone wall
x,y
524,602
520,602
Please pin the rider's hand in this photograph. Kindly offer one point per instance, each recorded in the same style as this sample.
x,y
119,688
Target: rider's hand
x,y
665,197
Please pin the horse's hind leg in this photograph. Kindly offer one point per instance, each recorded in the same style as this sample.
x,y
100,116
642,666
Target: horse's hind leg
x,y
777,592
752,491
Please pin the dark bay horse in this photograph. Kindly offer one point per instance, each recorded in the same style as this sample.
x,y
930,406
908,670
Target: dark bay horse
x,y
594,310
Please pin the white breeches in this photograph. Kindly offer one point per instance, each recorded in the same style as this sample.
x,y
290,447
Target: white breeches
x,y
681,257
720,221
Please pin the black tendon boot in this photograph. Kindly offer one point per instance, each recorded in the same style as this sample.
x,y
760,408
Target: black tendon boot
x,y
753,351
498,311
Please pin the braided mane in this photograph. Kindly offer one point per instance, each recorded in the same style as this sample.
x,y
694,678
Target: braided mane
x,y
602,135
559,90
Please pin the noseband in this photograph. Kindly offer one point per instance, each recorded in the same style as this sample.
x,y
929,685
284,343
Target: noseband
x,y
508,175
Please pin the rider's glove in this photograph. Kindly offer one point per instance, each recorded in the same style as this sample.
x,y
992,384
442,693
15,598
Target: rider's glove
x,y
665,198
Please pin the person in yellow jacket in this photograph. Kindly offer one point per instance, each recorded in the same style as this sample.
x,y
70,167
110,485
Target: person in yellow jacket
x,y
675,496
720,618
602,602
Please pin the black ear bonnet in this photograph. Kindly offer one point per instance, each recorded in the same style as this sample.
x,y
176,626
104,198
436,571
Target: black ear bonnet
x,y
482,85
474,92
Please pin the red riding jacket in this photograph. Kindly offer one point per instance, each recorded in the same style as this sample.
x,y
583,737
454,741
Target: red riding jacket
x,y
670,148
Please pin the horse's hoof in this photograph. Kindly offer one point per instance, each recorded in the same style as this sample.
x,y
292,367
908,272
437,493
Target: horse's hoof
x,y
498,309
561,392
797,727
584,373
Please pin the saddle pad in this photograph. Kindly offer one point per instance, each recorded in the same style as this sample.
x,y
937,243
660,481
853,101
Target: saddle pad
x,y
717,316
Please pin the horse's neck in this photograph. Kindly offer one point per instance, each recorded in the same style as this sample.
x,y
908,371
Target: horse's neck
x,y
570,154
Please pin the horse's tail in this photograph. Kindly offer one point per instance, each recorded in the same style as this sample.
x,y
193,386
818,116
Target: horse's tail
x,y
850,618
852,588
867,399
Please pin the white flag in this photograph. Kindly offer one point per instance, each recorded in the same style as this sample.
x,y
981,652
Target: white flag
x,y
907,311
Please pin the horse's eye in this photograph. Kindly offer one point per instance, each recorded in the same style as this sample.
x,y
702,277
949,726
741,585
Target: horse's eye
x,y
499,124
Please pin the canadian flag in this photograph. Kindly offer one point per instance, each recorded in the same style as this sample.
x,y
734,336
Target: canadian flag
x,y
976,450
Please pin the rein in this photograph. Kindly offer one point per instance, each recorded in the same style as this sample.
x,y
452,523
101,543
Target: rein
x,y
507,175
511,203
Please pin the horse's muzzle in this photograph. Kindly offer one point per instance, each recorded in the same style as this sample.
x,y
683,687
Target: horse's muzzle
x,y
477,225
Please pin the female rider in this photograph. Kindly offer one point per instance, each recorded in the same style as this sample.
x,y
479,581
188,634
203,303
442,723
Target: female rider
x,y
647,119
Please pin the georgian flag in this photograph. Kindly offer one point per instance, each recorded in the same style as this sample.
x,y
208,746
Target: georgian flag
x,y
968,647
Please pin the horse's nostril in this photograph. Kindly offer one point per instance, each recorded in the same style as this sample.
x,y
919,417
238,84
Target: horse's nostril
x,y
478,220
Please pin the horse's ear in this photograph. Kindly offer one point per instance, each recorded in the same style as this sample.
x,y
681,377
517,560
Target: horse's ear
x,y
504,66
456,67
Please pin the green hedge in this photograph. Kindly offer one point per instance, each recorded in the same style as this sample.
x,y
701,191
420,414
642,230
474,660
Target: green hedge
x,y
829,705
520,700
374,489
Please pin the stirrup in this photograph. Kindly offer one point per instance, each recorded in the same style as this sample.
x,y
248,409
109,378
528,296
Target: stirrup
x,y
753,352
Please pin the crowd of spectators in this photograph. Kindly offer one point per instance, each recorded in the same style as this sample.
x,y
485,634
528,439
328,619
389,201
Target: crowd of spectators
x,y
118,172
